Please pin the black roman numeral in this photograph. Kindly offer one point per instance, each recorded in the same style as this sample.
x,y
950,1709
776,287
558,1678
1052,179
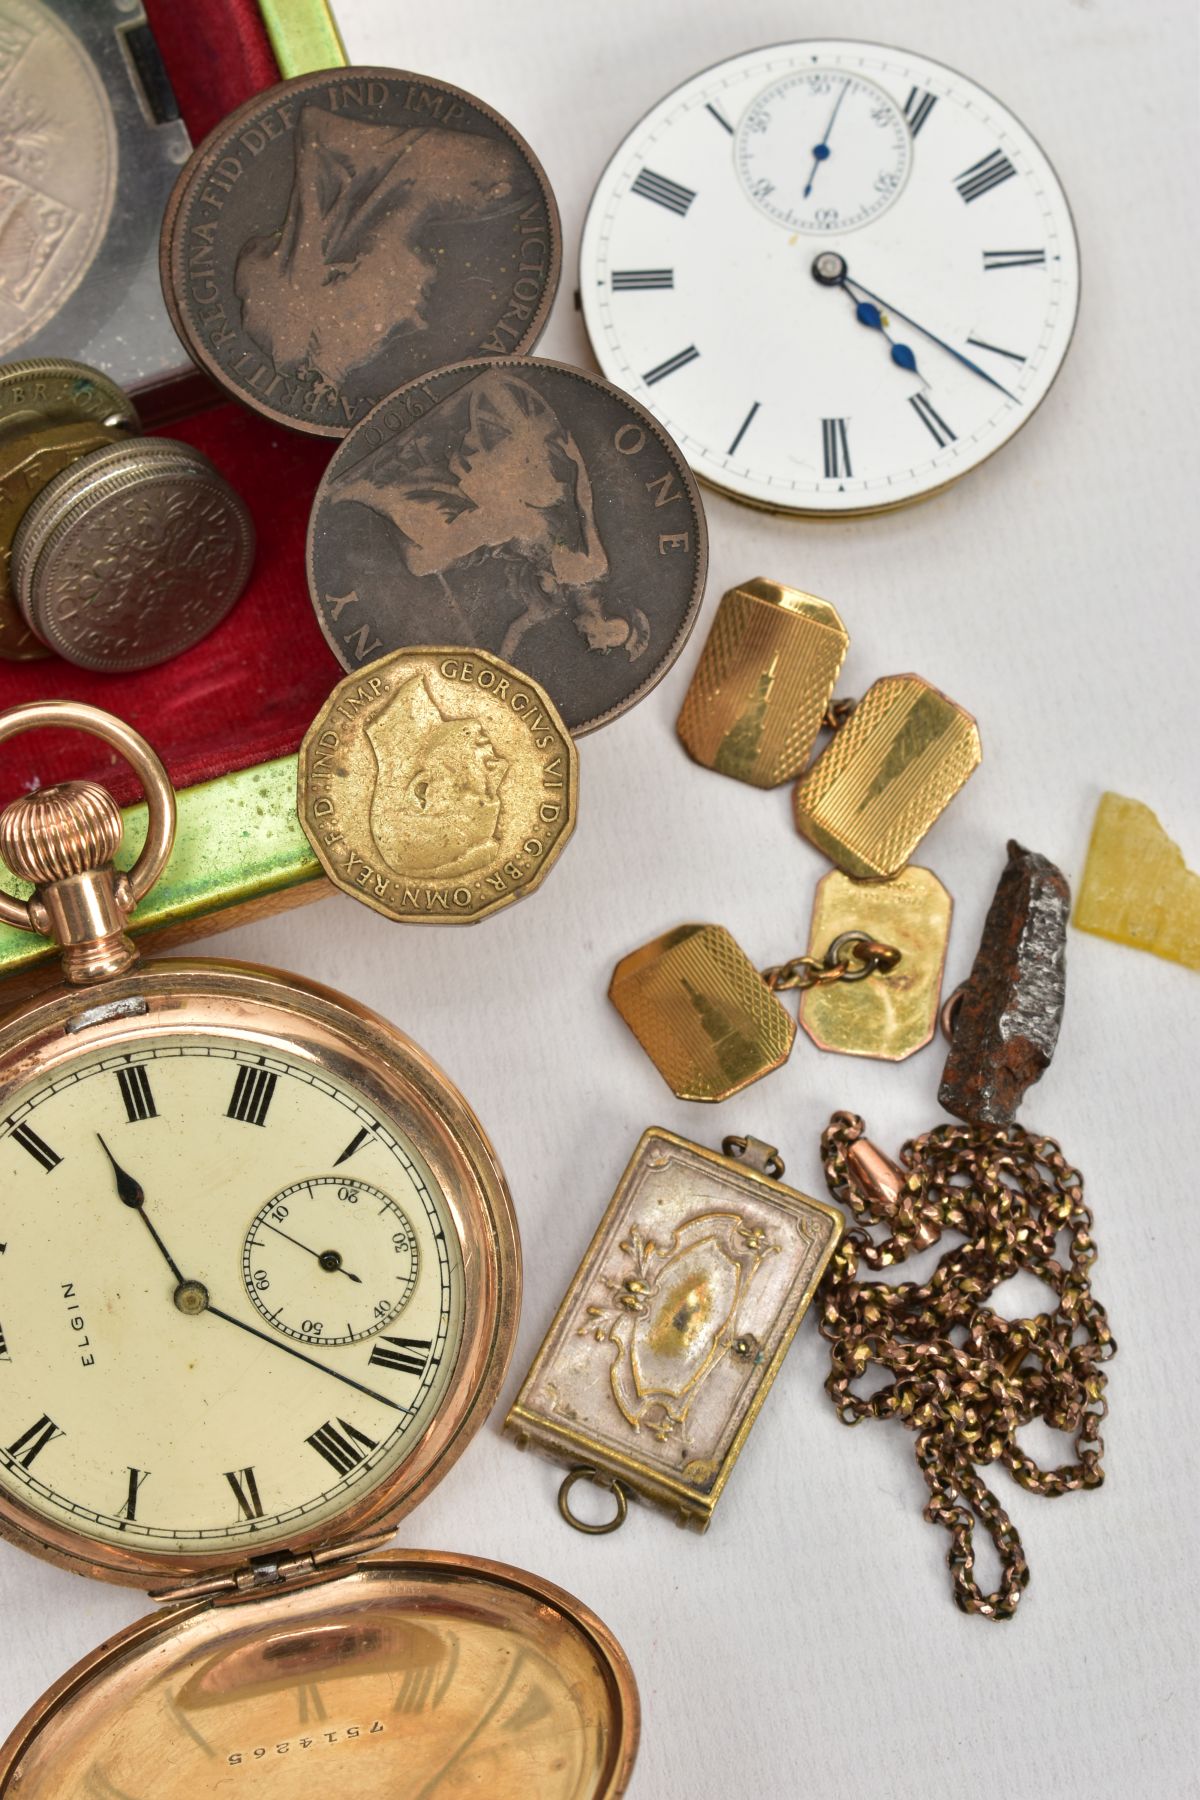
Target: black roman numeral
x,y
918,107
34,1441
743,428
4,1355
252,1095
670,194
245,1492
407,1354
983,176
836,447
340,1448
932,420
1014,259
129,1511
679,361
359,1138
134,1083
37,1147
982,344
637,281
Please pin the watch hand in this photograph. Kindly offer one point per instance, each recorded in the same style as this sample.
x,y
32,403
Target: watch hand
x,y
278,1344
329,1260
131,1192
974,367
867,314
821,150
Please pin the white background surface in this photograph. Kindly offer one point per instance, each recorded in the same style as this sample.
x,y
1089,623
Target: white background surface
x,y
808,1644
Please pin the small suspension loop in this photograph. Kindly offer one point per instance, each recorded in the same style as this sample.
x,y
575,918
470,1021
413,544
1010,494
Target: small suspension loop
x,y
948,1017
752,1150
583,1472
854,956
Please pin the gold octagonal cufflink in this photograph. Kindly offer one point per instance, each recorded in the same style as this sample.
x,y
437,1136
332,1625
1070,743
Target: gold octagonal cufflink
x,y
702,1012
887,775
763,683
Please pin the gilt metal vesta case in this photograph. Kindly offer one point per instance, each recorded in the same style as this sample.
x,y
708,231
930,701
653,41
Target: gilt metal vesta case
x,y
677,1322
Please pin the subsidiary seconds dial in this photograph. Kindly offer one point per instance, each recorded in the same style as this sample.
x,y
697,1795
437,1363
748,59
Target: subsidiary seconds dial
x,y
841,275
784,149
330,1260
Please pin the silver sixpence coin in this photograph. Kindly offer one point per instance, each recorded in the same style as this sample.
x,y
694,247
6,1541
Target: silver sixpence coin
x,y
55,390
520,507
132,555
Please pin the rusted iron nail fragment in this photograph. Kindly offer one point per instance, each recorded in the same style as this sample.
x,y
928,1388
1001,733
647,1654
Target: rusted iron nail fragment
x,y
1008,1019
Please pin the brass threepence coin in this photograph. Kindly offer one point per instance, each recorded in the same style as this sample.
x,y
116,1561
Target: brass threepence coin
x,y
521,507
132,555
53,390
349,230
29,460
438,786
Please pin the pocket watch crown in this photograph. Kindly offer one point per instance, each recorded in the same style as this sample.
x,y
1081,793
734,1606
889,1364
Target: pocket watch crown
x,y
72,829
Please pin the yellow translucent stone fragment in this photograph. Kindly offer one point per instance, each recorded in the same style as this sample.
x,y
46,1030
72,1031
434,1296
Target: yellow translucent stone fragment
x,y
1136,887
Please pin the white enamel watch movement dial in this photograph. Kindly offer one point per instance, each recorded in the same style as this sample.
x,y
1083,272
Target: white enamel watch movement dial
x,y
841,275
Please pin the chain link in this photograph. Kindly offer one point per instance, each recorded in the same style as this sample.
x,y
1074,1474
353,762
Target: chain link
x,y
1009,1193
851,957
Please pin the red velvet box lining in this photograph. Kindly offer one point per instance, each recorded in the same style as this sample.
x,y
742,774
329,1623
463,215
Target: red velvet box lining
x,y
248,691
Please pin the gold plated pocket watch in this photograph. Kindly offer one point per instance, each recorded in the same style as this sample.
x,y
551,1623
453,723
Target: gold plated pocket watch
x,y
259,1283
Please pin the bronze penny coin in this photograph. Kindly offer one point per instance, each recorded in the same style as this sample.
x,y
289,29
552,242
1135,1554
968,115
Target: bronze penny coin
x,y
519,507
349,230
437,786
132,555
29,461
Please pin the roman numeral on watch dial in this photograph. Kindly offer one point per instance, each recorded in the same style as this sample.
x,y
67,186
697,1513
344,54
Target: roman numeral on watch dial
x,y
37,1147
342,1445
983,176
407,1354
253,1092
835,447
636,281
356,1143
932,420
982,344
245,1492
679,361
134,1083
129,1511
671,194
31,1443
743,428
918,107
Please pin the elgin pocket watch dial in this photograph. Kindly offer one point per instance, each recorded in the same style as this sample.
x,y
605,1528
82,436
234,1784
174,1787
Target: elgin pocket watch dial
x,y
259,1270
840,275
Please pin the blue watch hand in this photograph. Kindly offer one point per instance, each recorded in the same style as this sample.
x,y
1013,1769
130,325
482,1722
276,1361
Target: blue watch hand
x,y
821,150
852,286
867,314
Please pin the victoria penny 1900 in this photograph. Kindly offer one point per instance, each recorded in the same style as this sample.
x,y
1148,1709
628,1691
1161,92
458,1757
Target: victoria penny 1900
x,y
349,230
437,786
523,507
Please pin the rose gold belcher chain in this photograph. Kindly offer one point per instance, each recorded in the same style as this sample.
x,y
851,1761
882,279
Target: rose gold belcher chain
x,y
1009,1193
